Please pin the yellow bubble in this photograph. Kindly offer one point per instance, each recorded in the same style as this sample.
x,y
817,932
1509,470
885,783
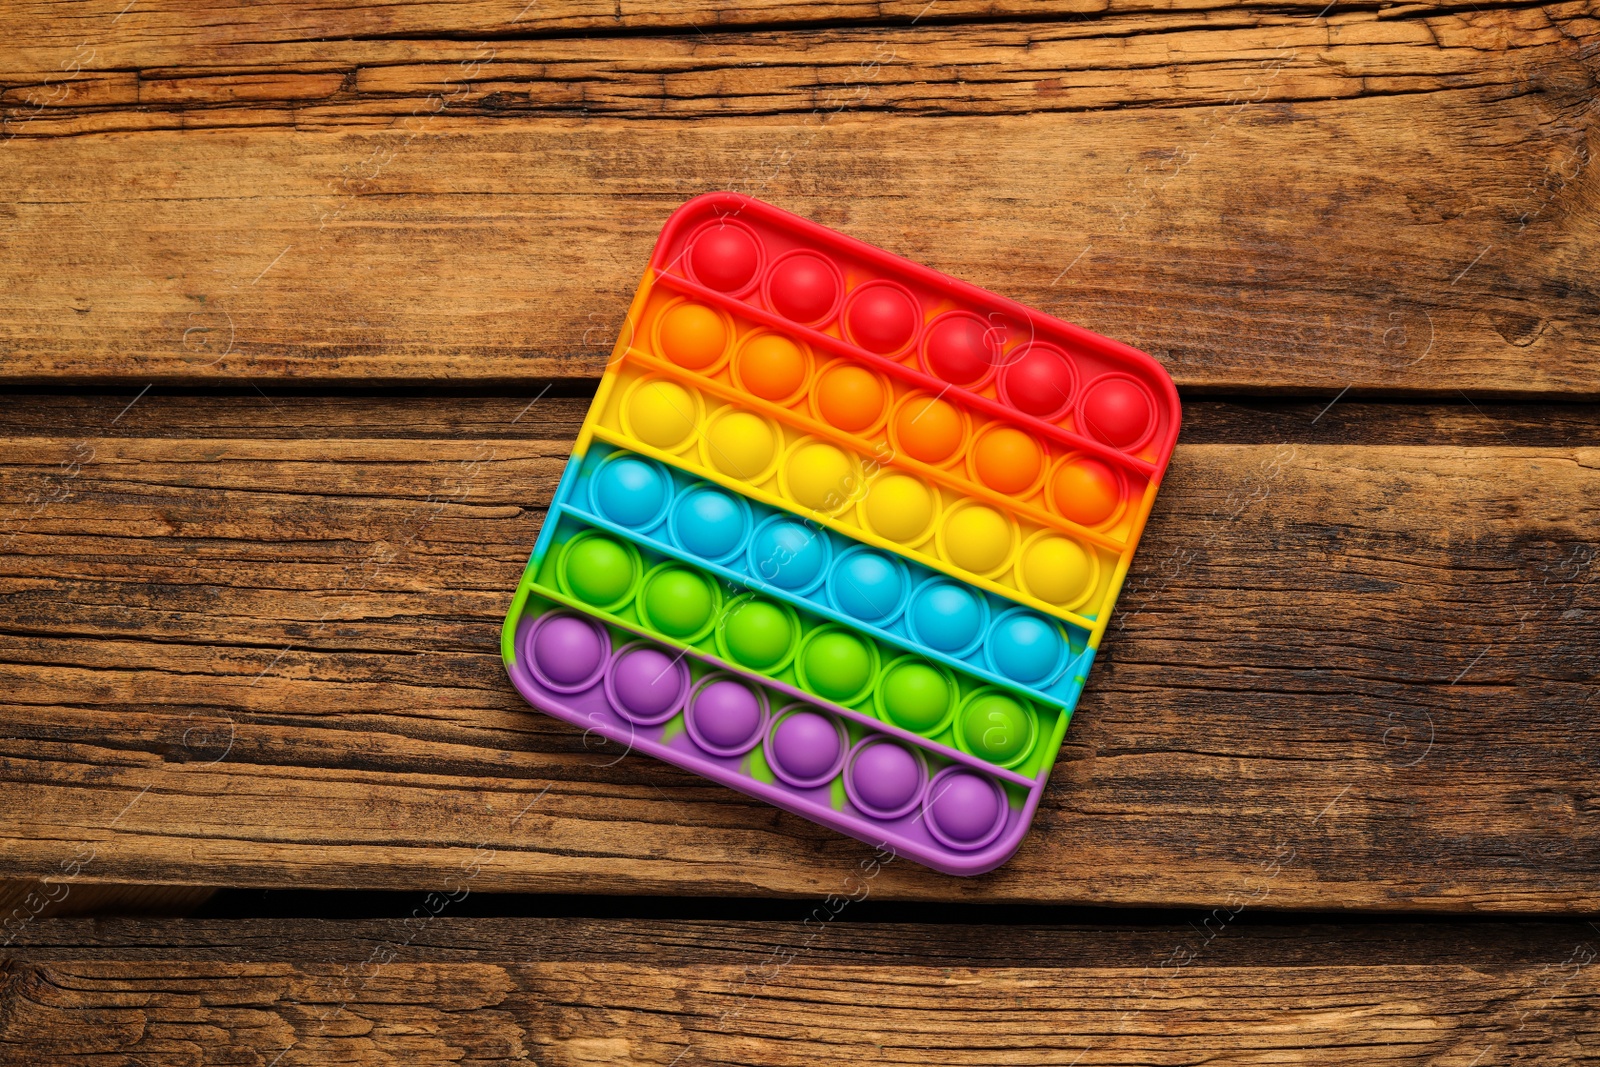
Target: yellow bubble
x,y
1056,570
821,476
899,507
741,445
661,413
977,538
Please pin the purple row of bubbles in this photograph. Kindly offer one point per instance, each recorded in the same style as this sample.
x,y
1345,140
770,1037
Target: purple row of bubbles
x,y
644,683
726,717
570,653
886,779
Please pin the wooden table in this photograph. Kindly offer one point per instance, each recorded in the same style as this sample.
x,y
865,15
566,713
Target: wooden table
x,y
301,307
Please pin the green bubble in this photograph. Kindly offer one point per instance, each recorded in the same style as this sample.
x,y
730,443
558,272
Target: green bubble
x,y
837,666
758,634
996,728
599,570
678,602
916,696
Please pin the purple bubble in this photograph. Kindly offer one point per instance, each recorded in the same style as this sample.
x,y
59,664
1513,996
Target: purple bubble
x,y
964,806
806,747
886,778
568,651
646,685
725,716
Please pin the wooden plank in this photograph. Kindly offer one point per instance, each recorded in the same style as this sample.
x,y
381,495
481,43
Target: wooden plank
x,y
1343,676
1115,60
65,42
572,991
1386,201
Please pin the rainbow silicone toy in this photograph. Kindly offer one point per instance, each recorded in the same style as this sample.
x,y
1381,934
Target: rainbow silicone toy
x,y
842,532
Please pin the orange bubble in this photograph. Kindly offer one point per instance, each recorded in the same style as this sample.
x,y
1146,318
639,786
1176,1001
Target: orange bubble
x,y
1007,460
1086,491
693,336
849,398
929,429
772,367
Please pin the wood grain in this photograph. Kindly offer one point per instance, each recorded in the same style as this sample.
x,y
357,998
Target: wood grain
x,y
1343,676
170,33
564,991
1396,200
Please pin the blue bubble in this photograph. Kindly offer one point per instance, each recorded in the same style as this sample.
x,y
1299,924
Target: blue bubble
x,y
630,492
708,523
946,617
788,554
1024,648
867,586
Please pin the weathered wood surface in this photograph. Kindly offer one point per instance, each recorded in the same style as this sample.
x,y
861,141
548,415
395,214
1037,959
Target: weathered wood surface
x,y
246,645
570,991
173,31
1391,199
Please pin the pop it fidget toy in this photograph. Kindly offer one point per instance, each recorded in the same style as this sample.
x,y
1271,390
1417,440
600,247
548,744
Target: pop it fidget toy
x,y
842,532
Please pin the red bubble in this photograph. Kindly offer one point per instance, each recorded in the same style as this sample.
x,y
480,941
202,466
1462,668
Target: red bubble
x,y
960,350
1117,411
1040,382
803,288
881,319
725,258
